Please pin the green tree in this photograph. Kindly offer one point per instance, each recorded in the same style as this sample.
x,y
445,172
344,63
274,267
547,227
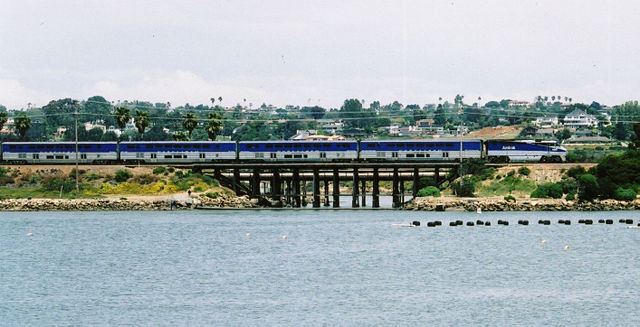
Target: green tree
x,y
429,191
635,138
122,116
588,187
180,136
440,118
97,106
59,113
564,134
3,119
23,123
620,132
214,125
142,120
189,122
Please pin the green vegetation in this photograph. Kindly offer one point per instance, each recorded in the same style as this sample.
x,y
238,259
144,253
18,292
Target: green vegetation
x,y
429,191
159,170
510,198
464,187
548,190
510,184
122,175
524,171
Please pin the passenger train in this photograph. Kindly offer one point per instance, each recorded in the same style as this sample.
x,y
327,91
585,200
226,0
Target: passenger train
x,y
181,152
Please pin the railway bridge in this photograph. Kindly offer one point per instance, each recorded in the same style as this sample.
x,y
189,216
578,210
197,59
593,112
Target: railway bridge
x,y
285,184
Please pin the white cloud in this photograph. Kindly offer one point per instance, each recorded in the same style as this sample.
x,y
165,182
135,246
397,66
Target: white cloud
x,y
14,95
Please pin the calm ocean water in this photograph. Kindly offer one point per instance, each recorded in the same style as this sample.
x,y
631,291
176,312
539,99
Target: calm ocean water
x,y
333,268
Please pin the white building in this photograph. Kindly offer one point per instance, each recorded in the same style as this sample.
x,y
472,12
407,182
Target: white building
x,y
580,119
546,122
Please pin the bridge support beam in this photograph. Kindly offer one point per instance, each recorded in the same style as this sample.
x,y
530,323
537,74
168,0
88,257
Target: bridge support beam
x,y
364,193
275,186
336,188
326,192
255,183
355,203
296,188
375,193
394,194
316,188
401,193
436,176
416,180
236,179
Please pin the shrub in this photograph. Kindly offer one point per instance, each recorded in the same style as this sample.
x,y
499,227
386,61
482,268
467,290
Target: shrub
x,y
510,198
211,195
426,181
171,169
588,187
511,173
570,197
524,171
575,171
429,191
569,185
159,170
55,184
464,187
198,188
625,194
145,179
548,190
123,175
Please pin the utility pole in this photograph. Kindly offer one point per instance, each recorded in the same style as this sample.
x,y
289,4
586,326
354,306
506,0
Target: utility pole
x,y
75,113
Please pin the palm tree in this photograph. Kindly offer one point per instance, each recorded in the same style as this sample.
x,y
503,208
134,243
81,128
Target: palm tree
x,y
219,99
180,136
142,120
23,123
122,116
212,101
189,122
214,125
3,118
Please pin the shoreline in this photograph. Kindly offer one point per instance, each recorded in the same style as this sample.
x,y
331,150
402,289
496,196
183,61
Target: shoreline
x,y
181,202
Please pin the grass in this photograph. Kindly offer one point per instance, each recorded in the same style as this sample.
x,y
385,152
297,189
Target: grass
x,y
38,192
506,186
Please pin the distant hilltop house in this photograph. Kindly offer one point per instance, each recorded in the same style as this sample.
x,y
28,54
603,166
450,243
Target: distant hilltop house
x,y
519,103
580,119
546,122
91,125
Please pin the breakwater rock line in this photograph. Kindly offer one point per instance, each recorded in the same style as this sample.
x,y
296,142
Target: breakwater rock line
x,y
469,204
123,204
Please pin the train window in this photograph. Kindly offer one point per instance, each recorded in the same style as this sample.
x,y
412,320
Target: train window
x,y
445,154
187,146
36,156
196,146
427,155
83,156
410,145
273,156
49,157
316,145
13,147
249,146
288,146
31,147
167,156
202,155
40,146
307,145
268,146
148,146
177,146
323,154
139,154
297,156
50,147
297,146
167,146
287,156
59,157
394,154
326,145
278,146
410,155
449,144
154,156
369,145
157,146
22,155
381,154
207,146
259,155
419,155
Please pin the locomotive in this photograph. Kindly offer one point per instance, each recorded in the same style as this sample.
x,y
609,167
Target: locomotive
x,y
186,152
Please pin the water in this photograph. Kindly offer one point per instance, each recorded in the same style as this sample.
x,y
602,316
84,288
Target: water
x,y
334,268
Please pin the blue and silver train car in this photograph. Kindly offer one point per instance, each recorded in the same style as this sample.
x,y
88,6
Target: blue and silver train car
x,y
176,152
422,150
528,151
298,150
59,152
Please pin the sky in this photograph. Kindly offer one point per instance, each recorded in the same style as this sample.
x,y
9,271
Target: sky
x,y
317,52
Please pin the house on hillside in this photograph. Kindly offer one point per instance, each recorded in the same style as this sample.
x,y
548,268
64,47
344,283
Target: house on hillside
x,y
546,122
580,119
